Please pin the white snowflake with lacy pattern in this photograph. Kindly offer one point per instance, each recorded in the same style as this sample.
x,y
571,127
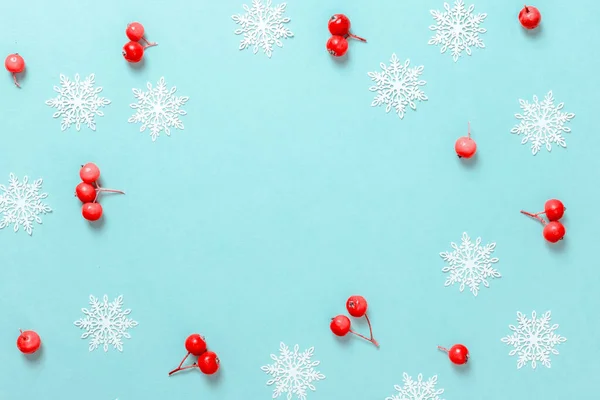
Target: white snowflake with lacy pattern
x,y
533,339
397,86
78,102
106,323
457,29
21,203
293,372
470,264
158,109
542,123
262,26
417,390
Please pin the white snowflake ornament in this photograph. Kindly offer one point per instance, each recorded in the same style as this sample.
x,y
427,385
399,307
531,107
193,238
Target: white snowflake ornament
x,y
106,323
417,390
397,86
21,203
542,123
262,26
533,340
293,372
158,109
457,29
78,102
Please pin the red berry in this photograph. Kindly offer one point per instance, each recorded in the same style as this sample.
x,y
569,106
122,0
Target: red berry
x,y
465,147
208,363
458,354
339,25
133,52
554,231
554,209
340,325
14,63
85,192
135,31
337,46
530,17
356,306
89,173
91,211
195,344
28,342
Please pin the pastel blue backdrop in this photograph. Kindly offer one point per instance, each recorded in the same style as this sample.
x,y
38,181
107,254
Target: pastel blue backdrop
x,y
287,192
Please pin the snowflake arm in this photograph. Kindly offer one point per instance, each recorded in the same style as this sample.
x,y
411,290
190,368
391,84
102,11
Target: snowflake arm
x,y
417,390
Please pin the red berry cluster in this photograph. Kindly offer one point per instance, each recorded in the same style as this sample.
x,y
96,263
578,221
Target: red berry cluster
x,y
133,51
530,17
14,64
28,342
357,307
208,362
89,190
554,230
339,26
458,353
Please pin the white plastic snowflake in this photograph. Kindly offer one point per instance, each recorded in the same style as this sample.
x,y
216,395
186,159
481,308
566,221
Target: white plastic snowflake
x,y
470,264
158,109
458,29
533,339
106,323
293,372
262,26
21,203
78,102
542,123
417,390
397,86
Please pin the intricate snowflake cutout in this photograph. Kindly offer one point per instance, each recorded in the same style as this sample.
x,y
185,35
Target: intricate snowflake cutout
x,y
397,86
542,123
21,203
470,264
293,372
262,26
457,29
78,102
158,109
106,323
533,339
417,390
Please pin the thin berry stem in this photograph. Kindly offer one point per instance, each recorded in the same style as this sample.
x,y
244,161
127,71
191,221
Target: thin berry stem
x,y
526,8
364,337
110,190
469,129
535,216
445,350
370,328
179,368
15,79
357,37
149,44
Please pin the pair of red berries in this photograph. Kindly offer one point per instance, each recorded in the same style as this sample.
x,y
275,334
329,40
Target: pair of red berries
x,y
28,342
339,26
458,353
465,147
133,51
357,307
14,64
89,190
530,17
208,362
554,230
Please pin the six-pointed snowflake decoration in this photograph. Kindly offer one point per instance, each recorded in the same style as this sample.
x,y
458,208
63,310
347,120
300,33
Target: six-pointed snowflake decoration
x,y
78,102
470,264
293,372
106,323
417,390
533,339
457,29
397,86
158,109
21,203
262,26
542,123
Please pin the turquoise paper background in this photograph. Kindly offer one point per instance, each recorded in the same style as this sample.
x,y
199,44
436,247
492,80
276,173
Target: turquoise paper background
x,y
287,192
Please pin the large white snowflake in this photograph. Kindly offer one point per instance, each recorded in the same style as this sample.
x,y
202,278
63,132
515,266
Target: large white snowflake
x,y
21,203
106,323
542,123
417,390
470,264
293,372
78,102
397,86
158,109
533,339
262,26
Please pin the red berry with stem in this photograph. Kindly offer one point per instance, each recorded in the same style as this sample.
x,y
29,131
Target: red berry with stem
x,y
337,46
135,31
458,353
133,52
465,146
195,344
530,17
554,231
339,25
208,363
89,173
91,211
340,325
356,306
85,192
28,342
554,209
15,64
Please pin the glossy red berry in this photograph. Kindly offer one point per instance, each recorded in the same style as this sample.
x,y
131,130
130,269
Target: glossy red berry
x,y
339,25
91,211
554,231
465,147
85,192
337,46
14,63
135,31
195,344
133,52
356,306
530,17
340,325
208,363
554,209
458,354
28,342
89,173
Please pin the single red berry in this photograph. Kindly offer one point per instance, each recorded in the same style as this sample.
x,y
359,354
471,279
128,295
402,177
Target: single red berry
x,y
133,52
340,325
195,344
465,147
89,173
339,25
85,192
14,63
337,46
91,211
135,31
554,231
458,354
554,209
530,17
356,306
28,342
208,363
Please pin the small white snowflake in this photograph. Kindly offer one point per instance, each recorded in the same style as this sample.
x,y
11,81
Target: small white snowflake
x,y
293,372
77,102
106,323
542,123
458,29
470,264
158,109
533,339
417,390
262,26
21,203
397,86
